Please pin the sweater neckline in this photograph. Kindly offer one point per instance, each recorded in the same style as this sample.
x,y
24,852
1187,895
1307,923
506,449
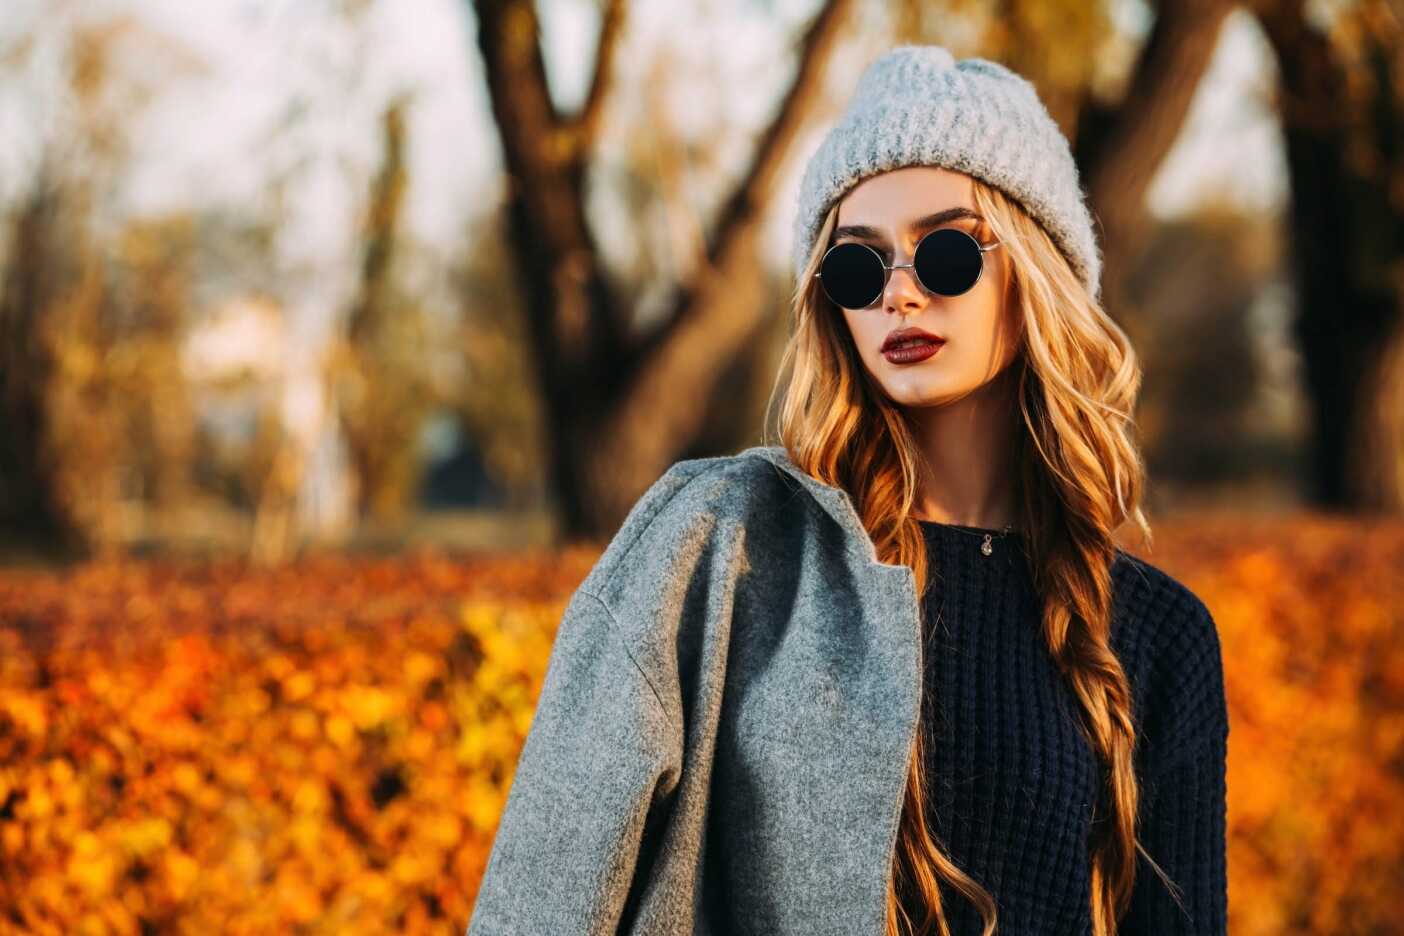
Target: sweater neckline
x,y
936,526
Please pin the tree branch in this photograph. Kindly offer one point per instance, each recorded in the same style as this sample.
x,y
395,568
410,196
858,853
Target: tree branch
x,y
672,370
1121,149
585,126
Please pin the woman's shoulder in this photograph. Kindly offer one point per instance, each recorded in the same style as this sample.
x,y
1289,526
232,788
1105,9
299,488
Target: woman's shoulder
x,y
1155,606
1166,638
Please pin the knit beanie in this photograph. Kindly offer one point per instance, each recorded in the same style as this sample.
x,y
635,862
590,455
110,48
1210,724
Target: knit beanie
x,y
917,106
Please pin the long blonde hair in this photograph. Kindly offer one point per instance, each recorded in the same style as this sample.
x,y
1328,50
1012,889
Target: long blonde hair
x,y
1078,477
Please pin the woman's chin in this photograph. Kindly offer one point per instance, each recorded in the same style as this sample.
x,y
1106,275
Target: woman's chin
x,y
920,393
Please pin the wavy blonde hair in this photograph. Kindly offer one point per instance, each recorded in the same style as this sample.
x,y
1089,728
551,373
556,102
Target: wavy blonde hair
x,y
1078,477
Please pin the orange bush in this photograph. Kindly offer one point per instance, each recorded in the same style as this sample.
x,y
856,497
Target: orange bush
x,y
220,750
1311,617
327,746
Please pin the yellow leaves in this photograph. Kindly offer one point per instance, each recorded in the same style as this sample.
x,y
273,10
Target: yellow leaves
x,y
144,836
239,770
298,686
11,838
419,745
485,802
305,725
473,744
368,706
408,869
39,805
341,731
1257,569
26,712
420,667
443,830
329,745
182,872
480,617
310,797
306,833
91,865
185,778
298,899
269,749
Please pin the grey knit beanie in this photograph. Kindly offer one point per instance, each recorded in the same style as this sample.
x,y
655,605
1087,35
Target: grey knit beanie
x,y
917,106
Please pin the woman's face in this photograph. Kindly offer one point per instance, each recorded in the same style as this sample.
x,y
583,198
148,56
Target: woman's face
x,y
886,211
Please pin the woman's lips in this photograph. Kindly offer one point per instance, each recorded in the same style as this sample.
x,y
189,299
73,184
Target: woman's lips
x,y
913,353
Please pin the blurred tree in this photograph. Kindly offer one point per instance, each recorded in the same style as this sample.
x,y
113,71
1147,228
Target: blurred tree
x,y
1120,143
384,389
1198,416
30,504
90,372
153,289
619,405
1342,109
499,406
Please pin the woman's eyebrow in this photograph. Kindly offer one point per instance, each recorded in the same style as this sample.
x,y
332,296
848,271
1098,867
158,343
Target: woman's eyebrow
x,y
959,213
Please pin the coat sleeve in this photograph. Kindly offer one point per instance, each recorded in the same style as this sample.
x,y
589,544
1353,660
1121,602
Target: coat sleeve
x,y
1184,797
601,753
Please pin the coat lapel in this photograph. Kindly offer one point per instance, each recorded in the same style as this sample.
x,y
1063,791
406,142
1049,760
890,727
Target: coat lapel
x,y
851,759
839,506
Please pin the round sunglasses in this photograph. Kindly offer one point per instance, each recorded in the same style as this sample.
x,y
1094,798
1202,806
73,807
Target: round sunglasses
x,y
947,261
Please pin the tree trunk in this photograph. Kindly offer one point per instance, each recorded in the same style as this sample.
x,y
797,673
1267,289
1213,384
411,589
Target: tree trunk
x,y
1346,222
621,407
29,503
1120,149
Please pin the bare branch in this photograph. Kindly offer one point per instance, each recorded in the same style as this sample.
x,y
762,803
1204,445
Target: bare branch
x,y
1121,150
744,205
585,126
673,370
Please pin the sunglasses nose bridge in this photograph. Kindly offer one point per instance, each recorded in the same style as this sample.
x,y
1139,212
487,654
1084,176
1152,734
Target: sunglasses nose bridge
x,y
918,287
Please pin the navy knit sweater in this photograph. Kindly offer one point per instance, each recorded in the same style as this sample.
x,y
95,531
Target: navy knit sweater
x,y
1011,781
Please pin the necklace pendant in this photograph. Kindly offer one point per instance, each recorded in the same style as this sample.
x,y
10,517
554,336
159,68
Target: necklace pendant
x,y
985,547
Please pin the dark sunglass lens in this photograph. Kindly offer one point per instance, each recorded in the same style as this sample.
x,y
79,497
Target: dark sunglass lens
x,y
948,261
851,274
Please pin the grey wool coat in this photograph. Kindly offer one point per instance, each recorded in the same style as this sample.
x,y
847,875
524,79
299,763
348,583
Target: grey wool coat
x,y
721,740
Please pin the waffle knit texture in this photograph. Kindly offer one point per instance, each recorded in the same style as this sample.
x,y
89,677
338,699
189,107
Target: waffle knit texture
x,y
720,743
916,105
1009,775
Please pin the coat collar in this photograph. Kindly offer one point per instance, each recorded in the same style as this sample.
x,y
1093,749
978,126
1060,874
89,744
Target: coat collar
x,y
839,505
890,608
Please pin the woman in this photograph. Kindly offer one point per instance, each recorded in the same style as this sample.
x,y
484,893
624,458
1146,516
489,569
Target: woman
x,y
892,675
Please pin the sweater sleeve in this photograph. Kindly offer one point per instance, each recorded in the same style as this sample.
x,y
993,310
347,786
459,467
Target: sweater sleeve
x,y
1184,792
600,757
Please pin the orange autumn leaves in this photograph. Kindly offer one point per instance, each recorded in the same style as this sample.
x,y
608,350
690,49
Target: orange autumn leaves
x,y
327,746
216,750
1311,619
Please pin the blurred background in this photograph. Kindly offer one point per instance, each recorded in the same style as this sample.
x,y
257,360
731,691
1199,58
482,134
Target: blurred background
x,y
338,336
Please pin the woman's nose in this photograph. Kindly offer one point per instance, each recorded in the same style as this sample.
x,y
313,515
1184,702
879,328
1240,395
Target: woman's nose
x,y
903,290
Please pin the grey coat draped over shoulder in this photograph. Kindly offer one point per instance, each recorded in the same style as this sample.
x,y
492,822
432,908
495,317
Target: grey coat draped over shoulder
x,y
721,741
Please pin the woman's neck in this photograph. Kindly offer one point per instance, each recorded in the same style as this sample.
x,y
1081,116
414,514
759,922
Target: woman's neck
x,y
968,448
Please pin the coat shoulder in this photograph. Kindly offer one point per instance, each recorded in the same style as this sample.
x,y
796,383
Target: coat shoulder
x,y
692,504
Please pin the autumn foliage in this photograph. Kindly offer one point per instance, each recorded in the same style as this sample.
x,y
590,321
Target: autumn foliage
x,y
216,750
327,746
